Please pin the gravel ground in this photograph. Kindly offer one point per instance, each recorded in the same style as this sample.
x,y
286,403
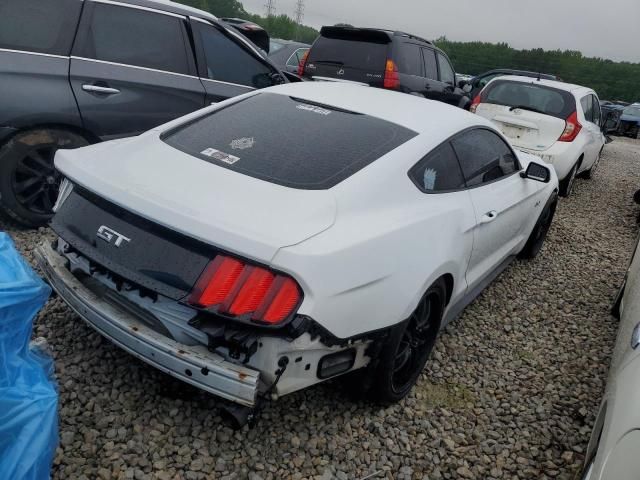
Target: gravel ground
x,y
511,392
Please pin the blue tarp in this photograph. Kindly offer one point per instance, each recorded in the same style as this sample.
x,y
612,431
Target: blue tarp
x,y
28,394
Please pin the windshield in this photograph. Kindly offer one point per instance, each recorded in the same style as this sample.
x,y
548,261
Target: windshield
x,y
288,141
530,96
632,111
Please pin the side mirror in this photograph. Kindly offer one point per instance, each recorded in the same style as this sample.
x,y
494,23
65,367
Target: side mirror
x,y
462,83
537,172
467,88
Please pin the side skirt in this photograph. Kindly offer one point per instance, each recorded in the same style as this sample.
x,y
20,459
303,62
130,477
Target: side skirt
x,y
456,309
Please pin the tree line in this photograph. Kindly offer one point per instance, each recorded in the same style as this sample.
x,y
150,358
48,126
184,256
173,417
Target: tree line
x,y
611,80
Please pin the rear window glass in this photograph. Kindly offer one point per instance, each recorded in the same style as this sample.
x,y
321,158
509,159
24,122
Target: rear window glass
x,y
41,26
538,98
289,141
349,52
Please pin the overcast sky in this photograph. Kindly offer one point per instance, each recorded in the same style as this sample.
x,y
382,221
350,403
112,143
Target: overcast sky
x,y
597,28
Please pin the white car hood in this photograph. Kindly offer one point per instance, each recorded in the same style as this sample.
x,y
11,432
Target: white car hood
x,y
235,212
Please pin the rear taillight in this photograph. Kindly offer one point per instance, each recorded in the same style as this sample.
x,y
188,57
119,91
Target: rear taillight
x,y
391,77
474,104
232,287
572,128
303,63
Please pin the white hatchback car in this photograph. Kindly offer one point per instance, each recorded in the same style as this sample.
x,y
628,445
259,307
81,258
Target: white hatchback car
x,y
559,122
294,234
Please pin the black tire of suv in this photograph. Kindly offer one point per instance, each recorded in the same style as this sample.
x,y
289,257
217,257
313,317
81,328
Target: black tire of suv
x,y
539,233
415,337
26,170
566,185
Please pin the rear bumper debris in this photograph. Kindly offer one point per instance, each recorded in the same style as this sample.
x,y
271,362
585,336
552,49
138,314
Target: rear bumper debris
x,y
192,364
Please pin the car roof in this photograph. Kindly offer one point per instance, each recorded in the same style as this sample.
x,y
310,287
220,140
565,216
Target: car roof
x,y
426,117
569,87
172,7
390,33
523,73
289,42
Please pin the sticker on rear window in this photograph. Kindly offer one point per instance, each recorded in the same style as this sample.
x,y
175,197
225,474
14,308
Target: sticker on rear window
x,y
242,143
313,108
221,156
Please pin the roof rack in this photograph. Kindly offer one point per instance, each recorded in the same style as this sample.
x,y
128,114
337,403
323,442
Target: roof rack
x,y
413,37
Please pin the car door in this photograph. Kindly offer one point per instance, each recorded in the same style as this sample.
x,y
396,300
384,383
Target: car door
x,y
592,131
503,201
408,58
450,94
226,65
433,87
132,69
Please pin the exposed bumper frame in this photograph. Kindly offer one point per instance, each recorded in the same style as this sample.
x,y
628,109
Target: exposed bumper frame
x,y
195,365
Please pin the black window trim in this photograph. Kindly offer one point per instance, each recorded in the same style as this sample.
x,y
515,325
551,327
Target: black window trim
x,y
466,187
87,15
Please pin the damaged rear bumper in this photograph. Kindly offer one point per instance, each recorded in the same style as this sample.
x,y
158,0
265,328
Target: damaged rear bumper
x,y
192,364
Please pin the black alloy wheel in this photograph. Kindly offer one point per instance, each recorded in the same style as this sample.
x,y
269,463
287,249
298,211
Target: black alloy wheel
x,y
36,182
29,182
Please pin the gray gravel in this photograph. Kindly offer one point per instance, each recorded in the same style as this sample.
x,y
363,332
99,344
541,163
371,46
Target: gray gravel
x,y
511,392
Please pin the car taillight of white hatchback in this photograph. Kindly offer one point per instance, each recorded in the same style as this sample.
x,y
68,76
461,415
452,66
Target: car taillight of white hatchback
x,y
232,287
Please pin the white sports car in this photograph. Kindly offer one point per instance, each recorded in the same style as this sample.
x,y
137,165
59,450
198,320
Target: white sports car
x,y
291,235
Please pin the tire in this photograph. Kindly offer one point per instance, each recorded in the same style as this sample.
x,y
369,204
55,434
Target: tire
x,y
566,185
29,182
591,172
408,348
539,233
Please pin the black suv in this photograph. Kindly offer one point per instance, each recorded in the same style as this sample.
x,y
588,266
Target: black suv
x,y
384,59
75,72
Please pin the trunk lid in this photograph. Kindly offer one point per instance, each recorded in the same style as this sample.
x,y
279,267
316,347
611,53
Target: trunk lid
x,y
199,200
356,55
524,128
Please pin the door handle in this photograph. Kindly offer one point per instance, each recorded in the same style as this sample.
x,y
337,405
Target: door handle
x,y
489,217
98,89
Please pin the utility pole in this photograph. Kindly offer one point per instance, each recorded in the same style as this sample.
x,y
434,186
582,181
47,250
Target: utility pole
x,y
271,8
299,12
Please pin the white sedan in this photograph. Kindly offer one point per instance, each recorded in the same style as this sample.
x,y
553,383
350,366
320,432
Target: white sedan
x,y
557,121
292,235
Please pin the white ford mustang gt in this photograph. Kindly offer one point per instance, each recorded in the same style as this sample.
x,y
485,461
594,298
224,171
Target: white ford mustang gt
x,y
292,235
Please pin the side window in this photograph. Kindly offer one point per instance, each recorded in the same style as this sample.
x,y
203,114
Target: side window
x,y
484,156
229,62
597,114
587,107
40,26
135,37
446,72
430,66
438,171
410,59
294,60
484,80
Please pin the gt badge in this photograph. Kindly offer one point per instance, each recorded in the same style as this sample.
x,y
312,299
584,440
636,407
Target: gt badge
x,y
111,236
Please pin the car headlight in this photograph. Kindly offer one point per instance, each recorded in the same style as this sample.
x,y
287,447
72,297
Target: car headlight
x,y
66,187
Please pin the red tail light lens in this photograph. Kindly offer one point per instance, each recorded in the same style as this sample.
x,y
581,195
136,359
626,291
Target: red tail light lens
x,y
391,77
303,63
474,104
235,288
572,128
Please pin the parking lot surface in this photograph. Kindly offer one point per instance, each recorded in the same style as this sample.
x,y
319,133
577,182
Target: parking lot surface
x,y
511,391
